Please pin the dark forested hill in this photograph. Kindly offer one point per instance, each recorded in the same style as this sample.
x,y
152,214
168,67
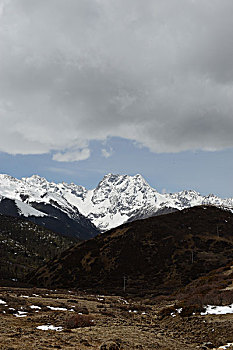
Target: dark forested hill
x,y
158,254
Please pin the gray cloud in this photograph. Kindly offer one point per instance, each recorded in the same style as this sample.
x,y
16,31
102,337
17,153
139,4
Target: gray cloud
x,y
156,72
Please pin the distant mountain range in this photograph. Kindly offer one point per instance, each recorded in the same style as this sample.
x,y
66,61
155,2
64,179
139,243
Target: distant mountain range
x,y
75,211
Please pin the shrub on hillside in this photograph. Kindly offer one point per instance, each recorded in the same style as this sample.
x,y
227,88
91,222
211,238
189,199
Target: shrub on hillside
x,y
78,321
81,309
189,310
167,311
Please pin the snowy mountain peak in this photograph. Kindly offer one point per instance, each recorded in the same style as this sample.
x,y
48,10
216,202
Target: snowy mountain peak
x,y
189,193
8,178
112,180
35,179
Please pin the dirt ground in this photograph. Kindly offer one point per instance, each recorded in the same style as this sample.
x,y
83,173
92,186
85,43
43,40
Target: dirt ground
x,y
118,323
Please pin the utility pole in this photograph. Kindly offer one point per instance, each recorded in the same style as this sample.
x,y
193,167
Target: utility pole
x,y
192,257
124,285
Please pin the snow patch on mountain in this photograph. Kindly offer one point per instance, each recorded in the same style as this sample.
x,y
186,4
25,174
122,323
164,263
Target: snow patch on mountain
x,y
26,210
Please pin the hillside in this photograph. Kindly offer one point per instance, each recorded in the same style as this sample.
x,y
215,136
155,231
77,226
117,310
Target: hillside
x,y
24,246
155,255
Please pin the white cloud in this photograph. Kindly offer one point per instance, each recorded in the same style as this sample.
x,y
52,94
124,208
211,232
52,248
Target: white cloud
x,y
156,72
70,156
107,153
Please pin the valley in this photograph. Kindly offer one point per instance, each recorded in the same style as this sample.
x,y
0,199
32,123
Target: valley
x,y
160,280
116,200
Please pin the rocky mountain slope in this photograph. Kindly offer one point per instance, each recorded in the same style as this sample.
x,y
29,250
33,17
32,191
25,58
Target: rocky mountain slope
x,y
155,255
25,246
116,199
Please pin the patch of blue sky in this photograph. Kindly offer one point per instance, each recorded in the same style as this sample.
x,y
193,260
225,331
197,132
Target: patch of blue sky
x,y
205,172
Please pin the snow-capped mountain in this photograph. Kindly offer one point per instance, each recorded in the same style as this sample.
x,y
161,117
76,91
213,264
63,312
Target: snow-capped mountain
x,y
28,198
116,199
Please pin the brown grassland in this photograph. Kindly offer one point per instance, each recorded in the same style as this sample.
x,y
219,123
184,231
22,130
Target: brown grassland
x,y
104,322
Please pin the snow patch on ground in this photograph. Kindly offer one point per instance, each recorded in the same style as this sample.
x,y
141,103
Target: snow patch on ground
x,y
223,347
57,308
21,314
49,327
218,310
2,302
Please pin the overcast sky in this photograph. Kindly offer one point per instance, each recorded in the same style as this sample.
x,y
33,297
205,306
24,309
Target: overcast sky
x,y
86,83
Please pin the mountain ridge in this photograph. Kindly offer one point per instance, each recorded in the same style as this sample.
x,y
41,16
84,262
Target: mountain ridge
x,y
115,200
29,198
